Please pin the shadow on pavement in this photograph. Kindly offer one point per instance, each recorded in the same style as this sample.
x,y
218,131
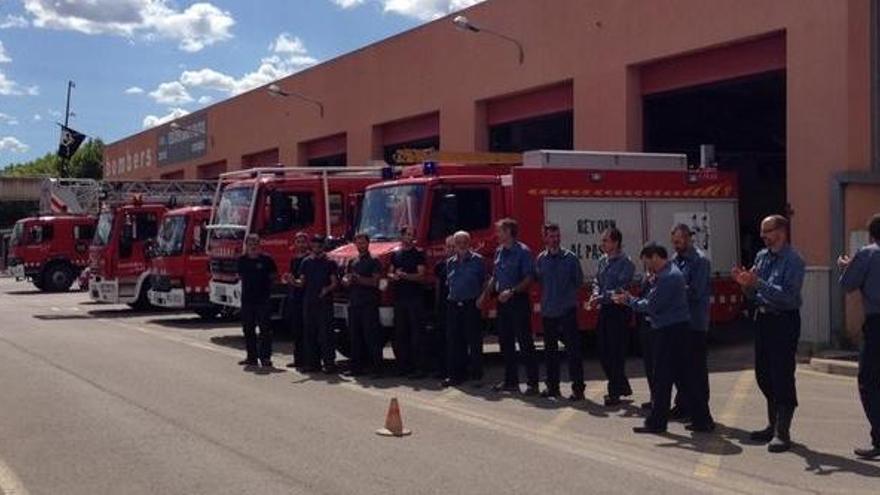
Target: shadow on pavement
x,y
54,317
194,322
24,292
823,464
123,313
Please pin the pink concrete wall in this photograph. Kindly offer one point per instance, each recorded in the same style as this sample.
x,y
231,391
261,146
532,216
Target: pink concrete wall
x,y
599,45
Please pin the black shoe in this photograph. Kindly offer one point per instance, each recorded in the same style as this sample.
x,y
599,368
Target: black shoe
x,y
330,369
266,363
647,406
764,435
678,414
505,387
869,453
648,429
701,427
779,444
577,396
356,372
247,362
611,400
418,375
551,392
451,382
531,390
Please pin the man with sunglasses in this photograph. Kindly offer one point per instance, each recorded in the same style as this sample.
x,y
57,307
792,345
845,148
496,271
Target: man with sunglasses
x,y
257,273
774,285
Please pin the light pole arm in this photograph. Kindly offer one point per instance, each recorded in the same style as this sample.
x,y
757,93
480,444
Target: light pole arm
x,y
519,46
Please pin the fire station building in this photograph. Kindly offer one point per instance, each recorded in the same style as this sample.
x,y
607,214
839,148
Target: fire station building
x,y
784,90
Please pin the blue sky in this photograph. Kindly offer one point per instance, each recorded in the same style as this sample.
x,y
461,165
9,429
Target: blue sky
x,y
137,63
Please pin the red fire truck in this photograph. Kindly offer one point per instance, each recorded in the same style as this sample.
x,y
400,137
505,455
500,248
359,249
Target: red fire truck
x,y
179,263
51,250
584,192
276,203
119,257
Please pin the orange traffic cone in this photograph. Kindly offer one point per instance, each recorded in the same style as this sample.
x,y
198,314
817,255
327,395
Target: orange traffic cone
x,y
393,422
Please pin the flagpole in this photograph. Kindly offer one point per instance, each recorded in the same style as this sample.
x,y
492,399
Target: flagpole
x,y
64,161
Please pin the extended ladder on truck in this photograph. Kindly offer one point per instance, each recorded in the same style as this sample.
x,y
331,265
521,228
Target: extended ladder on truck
x,y
85,196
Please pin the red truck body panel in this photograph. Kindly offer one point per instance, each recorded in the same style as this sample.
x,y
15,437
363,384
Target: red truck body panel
x,y
179,269
51,250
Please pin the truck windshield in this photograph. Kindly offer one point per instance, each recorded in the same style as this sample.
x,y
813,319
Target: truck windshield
x,y
233,210
104,229
169,242
17,232
387,209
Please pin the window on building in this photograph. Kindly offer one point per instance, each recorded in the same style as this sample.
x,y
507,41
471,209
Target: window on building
x,y
290,210
431,143
551,132
328,161
467,209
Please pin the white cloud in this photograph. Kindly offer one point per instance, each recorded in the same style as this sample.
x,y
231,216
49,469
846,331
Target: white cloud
x,y
13,21
13,145
199,25
171,93
4,58
7,119
8,87
420,9
37,117
154,120
134,90
204,100
287,55
54,113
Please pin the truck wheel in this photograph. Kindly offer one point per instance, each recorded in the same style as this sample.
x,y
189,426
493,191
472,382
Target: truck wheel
x,y
342,336
58,277
142,303
209,314
38,283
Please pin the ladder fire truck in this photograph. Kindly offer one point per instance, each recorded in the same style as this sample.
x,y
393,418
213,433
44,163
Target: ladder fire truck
x,y
277,202
125,236
643,195
51,249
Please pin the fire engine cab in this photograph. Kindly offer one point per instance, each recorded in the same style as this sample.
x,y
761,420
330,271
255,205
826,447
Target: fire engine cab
x,y
276,203
179,262
643,195
119,257
52,249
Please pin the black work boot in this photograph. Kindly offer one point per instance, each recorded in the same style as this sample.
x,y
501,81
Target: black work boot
x,y
782,441
766,434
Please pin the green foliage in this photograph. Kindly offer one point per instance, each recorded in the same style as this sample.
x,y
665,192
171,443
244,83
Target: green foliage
x,y
86,163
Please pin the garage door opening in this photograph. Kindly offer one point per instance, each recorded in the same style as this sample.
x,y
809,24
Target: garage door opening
x,y
745,120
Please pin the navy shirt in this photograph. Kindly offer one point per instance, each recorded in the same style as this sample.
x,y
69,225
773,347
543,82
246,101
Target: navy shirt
x,y
295,293
780,278
512,266
863,273
465,277
408,260
318,271
612,274
697,269
256,278
561,276
666,302
442,288
364,266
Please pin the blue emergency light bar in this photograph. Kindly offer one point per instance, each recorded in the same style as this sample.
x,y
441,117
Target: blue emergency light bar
x,y
429,168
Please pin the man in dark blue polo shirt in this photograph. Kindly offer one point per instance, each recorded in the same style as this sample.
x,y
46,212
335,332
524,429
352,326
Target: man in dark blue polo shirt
x,y
318,279
666,304
862,273
774,284
257,273
614,274
465,275
362,280
561,276
696,268
407,275
293,304
513,273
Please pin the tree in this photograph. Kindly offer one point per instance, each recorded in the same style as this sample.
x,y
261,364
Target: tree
x,y
86,163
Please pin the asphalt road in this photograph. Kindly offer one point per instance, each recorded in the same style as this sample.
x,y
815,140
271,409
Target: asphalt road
x,y
97,399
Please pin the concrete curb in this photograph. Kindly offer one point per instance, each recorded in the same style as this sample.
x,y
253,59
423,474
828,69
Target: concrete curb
x,y
835,366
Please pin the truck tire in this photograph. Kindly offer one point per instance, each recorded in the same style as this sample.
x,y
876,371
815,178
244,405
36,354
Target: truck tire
x,y
38,283
142,303
57,277
212,312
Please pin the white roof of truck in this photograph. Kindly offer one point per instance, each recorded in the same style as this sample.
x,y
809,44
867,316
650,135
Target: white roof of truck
x,y
604,160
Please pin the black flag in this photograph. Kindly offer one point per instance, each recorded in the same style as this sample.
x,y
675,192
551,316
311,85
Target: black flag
x,y
70,141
